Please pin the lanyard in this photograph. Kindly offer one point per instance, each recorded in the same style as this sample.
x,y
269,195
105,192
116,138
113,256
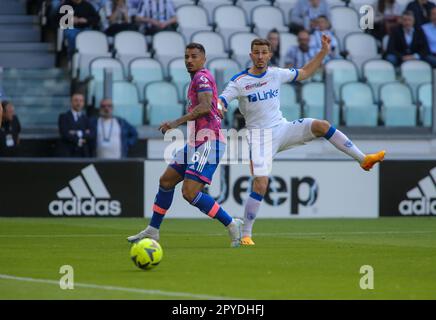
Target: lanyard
x,y
108,138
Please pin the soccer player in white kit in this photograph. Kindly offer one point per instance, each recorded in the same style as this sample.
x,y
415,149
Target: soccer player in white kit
x,y
258,92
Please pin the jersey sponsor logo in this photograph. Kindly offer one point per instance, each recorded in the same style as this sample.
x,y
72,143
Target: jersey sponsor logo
x,y
86,196
265,95
204,85
255,85
204,79
421,200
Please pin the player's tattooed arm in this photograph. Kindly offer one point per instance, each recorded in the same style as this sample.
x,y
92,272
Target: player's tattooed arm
x,y
203,108
312,66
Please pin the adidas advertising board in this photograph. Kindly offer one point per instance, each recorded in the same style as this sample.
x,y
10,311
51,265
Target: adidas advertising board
x,y
408,188
73,189
298,189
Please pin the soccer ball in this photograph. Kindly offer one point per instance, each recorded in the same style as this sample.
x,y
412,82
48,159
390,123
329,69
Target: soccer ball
x,y
146,254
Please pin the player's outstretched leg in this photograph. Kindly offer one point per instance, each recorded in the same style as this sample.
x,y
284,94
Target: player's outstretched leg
x,y
322,128
162,203
192,193
260,184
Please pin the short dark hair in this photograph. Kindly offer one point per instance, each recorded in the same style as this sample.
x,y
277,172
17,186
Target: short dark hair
x,y
260,42
5,103
409,13
195,45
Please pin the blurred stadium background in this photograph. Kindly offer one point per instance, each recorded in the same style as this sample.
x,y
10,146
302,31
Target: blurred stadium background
x,y
378,104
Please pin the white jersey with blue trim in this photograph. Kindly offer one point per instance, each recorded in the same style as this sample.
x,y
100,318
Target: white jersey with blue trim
x,y
259,95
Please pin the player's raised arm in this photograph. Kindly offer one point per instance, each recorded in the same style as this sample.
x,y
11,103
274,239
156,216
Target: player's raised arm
x,y
310,68
203,108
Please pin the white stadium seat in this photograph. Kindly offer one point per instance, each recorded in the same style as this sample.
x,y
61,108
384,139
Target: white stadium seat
x,y
265,18
213,44
192,19
229,20
179,75
286,41
286,6
211,5
415,73
126,102
343,71
168,45
249,5
377,73
89,45
130,45
240,45
361,47
397,108
97,70
344,20
228,66
142,71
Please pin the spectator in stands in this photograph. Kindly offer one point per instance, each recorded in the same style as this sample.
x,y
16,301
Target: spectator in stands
x,y
306,11
157,15
430,33
85,18
297,56
114,135
9,131
407,42
98,4
387,17
274,38
117,14
75,130
322,26
421,10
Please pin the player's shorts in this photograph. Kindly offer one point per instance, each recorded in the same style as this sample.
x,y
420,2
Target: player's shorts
x,y
199,163
264,144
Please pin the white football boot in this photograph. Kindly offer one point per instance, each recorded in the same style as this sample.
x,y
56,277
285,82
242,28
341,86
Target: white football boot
x,y
235,232
148,232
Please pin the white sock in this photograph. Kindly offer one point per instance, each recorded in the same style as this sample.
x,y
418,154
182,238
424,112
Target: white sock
x,y
341,142
152,230
251,209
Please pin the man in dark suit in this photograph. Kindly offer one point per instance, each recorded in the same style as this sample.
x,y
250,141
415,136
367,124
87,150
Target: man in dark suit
x,y
75,130
407,42
421,11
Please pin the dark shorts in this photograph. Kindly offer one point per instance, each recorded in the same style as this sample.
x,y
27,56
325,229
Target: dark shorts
x,y
199,163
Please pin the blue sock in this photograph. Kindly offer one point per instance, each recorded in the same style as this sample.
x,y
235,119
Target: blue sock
x,y
209,206
162,202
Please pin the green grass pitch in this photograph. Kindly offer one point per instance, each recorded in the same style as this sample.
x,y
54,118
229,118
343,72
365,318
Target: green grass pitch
x,y
292,259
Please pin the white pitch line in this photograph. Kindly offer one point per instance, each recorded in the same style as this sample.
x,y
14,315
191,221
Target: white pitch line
x,y
114,288
262,234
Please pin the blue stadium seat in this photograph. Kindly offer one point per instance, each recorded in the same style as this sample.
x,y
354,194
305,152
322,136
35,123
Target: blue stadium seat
x,y
97,67
415,73
162,102
288,102
313,99
179,76
125,98
377,73
397,105
230,67
343,71
358,105
142,71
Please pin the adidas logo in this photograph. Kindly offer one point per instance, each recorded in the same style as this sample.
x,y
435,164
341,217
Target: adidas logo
x,y
86,196
421,199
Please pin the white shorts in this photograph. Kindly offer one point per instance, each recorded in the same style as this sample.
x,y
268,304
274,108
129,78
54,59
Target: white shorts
x,y
264,144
